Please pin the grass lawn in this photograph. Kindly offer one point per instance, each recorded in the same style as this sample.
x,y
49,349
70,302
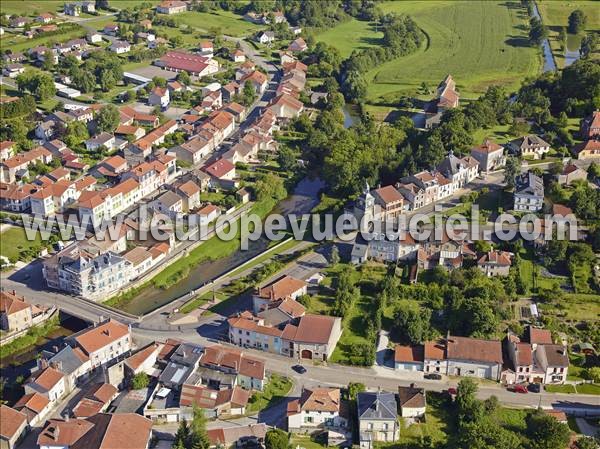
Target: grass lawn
x,y
495,51
276,389
229,22
351,35
576,306
304,441
18,241
437,427
566,388
498,134
264,257
30,8
588,389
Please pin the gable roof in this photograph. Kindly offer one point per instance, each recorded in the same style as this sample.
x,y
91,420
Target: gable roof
x,y
409,354
102,335
46,378
12,420
411,397
282,287
35,402
474,349
539,336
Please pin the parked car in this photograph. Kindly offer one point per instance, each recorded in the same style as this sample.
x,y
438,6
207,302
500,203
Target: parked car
x,y
534,388
517,388
299,369
433,376
452,391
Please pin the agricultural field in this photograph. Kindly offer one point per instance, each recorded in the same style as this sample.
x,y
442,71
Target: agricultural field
x,y
351,35
229,22
26,7
495,51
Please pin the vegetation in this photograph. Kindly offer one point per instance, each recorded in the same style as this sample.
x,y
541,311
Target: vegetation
x,y
277,439
139,381
194,435
274,391
30,338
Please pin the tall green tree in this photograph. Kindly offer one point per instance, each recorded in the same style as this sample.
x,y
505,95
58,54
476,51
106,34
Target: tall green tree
x,y
577,21
277,439
545,432
107,119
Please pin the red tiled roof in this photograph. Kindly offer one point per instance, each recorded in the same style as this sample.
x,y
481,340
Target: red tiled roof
x,y
34,401
281,288
410,354
12,420
47,378
539,336
465,348
220,168
101,336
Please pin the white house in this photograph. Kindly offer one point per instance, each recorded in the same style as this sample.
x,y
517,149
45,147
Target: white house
x,y
265,37
103,139
408,358
159,97
48,382
317,409
120,47
412,401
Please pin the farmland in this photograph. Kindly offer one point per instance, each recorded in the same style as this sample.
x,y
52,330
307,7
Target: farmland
x,y
494,51
351,35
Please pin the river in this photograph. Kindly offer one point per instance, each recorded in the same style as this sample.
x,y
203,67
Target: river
x,y
349,117
304,198
549,63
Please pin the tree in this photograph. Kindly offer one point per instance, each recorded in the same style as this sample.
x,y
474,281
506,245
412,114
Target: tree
x,y
140,380
562,38
182,437
77,132
39,84
589,44
335,255
108,118
587,443
184,78
413,324
248,94
545,432
593,374
354,388
83,80
469,407
277,439
107,80
511,169
537,31
577,21
287,158
270,186
198,437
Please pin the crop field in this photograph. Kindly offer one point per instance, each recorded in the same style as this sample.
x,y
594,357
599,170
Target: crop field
x,y
480,43
29,7
229,22
351,35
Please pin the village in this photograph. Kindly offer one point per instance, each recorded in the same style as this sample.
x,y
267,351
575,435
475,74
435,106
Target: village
x,y
134,118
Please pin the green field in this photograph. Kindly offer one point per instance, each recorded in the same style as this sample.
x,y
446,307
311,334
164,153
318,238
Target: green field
x,y
20,43
480,43
18,241
229,23
557,13
29,8
351,35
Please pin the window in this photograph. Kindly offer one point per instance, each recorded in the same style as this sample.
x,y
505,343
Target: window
x,y
370,426
385,426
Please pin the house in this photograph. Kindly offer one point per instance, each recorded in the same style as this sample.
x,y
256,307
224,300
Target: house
x,y
570,174
317,409
208,214
126,131
96,400
101,431
13,428
19,22
94,38
312,337
221,170
194,150
230,90
298,46
111,29
13,70
377,418
76,8
120,47
169,203
103,139
15,313
7,149
159,97
35,406
495,263
412,401
72,362
180,365
473,357
227,367
588,150
490,155
529,193
391,202
212,101
237,110
144,360
45,17
175,87
448,98
231,401
189,191
16,198
286,106
554,361
283,287
207,49
252,435
590,126
171,7
105,342
146,24
296,30
265,37
238,55
408,358
531,146
48,382
460,171
258,80
17,165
